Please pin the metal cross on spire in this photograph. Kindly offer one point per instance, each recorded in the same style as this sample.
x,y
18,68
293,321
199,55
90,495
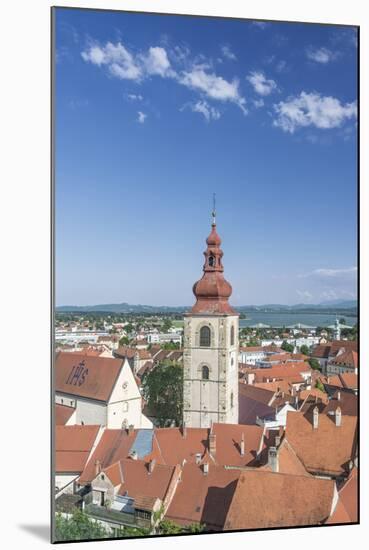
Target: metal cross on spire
x,y
214,211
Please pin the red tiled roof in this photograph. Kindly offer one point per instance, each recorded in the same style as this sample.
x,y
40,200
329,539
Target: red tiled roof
x,y
171,447
348,358
91,377
264,499
63,414
203,498
326,449
347,508
139,481
113,446
73,445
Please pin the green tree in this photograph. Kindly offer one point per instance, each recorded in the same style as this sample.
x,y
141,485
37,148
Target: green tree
x,y
167,324
163,390
124,341
129,328
170,345
319,385
314,363
167,527
79,527
304,350
287,347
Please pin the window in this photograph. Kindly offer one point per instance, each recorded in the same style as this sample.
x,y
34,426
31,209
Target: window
x,y
232,335
143,514
205,337
205,372
125,406
231,400
211,261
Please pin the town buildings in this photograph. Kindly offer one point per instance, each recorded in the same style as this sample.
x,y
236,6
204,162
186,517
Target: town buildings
x,y
265,440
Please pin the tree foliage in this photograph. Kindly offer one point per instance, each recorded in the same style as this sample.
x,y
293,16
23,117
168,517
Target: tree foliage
x,y
163,390
304,350
79,527
319,385
124,341
314,363
287,347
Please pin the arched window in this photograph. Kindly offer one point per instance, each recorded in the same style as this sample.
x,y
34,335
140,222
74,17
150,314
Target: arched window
x,y
205,372
205,337
211,261
232,335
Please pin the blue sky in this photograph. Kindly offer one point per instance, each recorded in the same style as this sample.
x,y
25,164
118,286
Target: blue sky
x,y
156,113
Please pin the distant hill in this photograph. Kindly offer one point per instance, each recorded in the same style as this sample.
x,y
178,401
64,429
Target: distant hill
x,y
333,306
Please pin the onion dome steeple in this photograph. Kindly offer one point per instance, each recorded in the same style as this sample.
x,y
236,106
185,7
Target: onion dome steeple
x,y
212,290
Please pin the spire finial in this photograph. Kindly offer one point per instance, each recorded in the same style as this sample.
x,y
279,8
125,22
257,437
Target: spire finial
x,y
214,211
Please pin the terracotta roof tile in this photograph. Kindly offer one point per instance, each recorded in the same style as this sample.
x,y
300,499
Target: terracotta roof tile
x,y
63,414
203,498
73,445
326,449
92,377
139,481
264,499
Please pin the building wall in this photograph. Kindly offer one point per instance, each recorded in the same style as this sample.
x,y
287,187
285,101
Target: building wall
x,y
65,481
215,399
124,405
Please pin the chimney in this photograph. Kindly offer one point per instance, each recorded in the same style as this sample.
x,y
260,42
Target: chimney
x,y
212,444
184,430
130,429
97,467
198,458
133,455
315,418
205,468
242,445
339,396
151,465
273,459
338,416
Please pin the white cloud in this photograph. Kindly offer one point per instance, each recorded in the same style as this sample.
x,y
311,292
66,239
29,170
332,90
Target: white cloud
x,y
258,103
156,62
332,273
320,55
215,87
123,64
312,109
335,272
141,117
203,107
260,24
135,97
281,66
227,53
261,84
120,62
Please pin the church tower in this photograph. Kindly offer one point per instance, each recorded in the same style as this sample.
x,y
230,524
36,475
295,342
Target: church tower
x,y
210,386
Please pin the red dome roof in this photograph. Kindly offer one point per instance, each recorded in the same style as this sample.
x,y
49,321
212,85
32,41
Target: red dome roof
x,y
212,290
213,239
